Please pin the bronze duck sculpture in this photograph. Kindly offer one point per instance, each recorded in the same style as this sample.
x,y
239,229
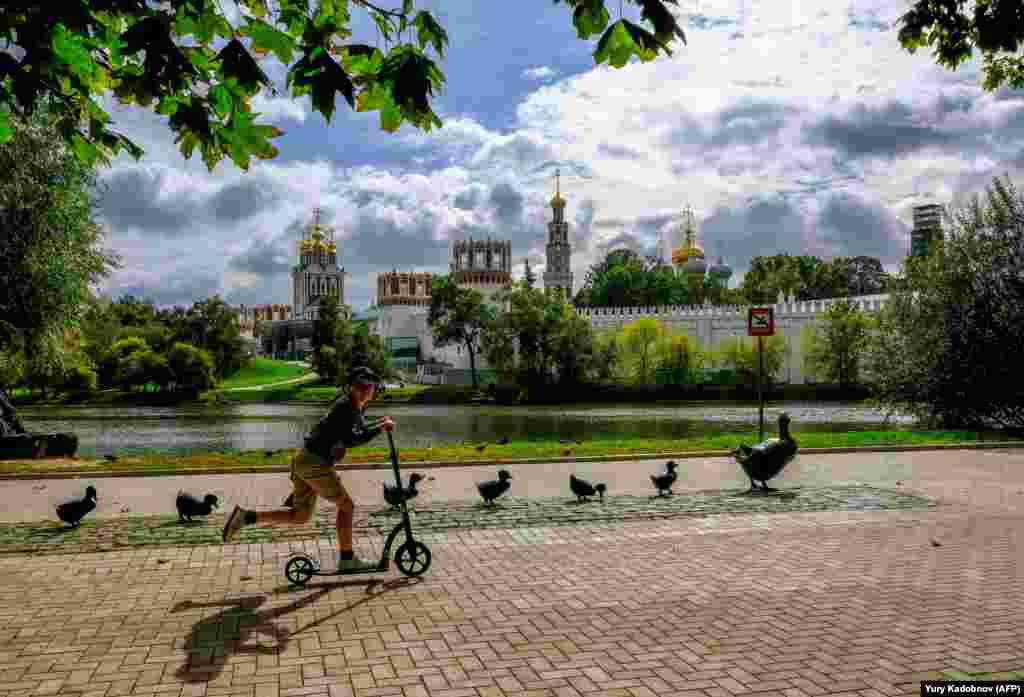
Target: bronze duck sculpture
x,y
765,460
584,489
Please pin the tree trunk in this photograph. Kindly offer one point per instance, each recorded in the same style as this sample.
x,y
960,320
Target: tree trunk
x,y
472,362
9,422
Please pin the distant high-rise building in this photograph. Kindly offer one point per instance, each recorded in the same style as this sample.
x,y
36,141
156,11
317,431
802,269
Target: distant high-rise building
x,y
927,227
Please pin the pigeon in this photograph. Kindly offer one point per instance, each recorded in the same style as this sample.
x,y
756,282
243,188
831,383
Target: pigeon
x,y
495,488
480,448
395,495
503,440
584,489
936,543
189,506
664,482
73,511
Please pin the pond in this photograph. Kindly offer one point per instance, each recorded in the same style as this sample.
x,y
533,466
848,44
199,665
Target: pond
x,y
103,430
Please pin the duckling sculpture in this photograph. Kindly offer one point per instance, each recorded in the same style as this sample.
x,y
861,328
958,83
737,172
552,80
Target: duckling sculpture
x,y
491,490
664,482
584,489
72,512
765,460
189,506
394,494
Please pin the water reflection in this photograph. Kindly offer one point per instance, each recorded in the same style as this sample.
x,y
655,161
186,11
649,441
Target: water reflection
x,y
274,426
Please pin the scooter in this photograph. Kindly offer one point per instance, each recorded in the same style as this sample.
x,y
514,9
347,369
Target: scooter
x,y
412,557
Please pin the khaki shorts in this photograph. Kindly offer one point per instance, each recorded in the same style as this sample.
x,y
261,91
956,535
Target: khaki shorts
x,y
312,475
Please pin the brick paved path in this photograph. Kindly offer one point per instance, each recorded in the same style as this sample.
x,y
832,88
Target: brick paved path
x,y
991,478
105,534
809,604
861,603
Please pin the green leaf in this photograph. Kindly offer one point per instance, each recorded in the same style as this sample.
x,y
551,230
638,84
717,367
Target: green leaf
x,y
429,31
70,49
590,17
391,118
221,100
360,59
331,13
294,14
664,22
5,127
267,38
257,7
319,75
616,46
235,62
376,96
201,58
84,150
647,44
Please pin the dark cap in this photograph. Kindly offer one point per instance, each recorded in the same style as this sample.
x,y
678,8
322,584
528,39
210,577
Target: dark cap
x,y
363,376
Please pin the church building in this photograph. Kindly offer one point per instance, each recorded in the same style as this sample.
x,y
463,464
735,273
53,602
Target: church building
x,y
558,272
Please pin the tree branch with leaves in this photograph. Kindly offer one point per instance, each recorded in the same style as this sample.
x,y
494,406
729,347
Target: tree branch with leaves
x,y
185,60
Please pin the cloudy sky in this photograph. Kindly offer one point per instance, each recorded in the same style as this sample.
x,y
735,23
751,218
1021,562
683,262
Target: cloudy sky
x,y
790,126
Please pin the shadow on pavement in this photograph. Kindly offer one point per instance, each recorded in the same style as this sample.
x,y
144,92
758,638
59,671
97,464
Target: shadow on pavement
x,y
236,630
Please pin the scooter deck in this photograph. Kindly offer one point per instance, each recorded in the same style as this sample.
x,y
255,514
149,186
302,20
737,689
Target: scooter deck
x,y
380,568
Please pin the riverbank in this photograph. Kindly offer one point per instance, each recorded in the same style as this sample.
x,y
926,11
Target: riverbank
x,y
301,391
515,452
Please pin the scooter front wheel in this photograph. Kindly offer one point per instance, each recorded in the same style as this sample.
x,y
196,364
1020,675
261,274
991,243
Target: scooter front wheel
x,y
412,558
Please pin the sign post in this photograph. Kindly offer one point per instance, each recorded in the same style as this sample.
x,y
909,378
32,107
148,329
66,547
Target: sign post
x,y
760,323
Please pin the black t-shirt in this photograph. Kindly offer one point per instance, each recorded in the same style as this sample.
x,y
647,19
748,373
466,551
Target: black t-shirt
x,y
343,424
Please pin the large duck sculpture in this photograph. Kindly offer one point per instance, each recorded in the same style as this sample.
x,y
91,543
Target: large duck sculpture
x,y
765,460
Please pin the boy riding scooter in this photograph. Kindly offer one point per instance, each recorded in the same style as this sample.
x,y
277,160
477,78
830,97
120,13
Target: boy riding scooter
x,y
312,470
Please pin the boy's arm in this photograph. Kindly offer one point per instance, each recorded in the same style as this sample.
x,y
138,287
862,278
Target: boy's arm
x,y
355,434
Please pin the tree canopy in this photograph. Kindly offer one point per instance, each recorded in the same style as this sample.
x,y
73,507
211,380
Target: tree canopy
x,y
51,247
995,28
200,66
458,316
623,278
946,343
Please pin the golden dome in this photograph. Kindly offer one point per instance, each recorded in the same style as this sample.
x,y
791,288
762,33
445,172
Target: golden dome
x,y
557,201
307,245
331,247
690,249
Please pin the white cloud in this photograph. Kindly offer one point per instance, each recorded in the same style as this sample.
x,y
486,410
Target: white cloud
x,y
273,109
540,73
777,122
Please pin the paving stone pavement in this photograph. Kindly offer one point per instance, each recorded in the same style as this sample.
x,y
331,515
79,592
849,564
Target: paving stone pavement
x,y
868,598
858,603
509,512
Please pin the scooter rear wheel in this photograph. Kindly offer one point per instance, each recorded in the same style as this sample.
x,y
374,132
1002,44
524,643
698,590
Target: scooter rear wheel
x,y
412,558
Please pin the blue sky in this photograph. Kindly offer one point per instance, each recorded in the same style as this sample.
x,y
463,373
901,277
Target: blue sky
x,y
795,127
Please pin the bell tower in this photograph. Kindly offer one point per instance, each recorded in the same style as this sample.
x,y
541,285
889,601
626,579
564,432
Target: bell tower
x,y
558,273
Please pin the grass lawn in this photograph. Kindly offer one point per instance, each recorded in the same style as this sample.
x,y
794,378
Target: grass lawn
x,y
325,393
454,452
264,371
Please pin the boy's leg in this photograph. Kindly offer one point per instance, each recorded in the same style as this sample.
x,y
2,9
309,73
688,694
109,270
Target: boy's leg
x,y
304,500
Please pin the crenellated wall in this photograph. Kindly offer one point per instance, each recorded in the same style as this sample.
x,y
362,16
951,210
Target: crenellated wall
x,y
710,324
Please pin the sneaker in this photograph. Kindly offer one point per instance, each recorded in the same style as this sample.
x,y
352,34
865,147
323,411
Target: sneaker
x,y
234,524
353,565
